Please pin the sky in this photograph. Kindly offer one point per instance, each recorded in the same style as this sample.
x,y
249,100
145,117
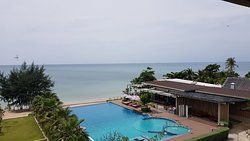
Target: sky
x,y
122,31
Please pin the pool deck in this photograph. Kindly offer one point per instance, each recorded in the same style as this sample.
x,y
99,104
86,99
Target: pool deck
x,y
197,125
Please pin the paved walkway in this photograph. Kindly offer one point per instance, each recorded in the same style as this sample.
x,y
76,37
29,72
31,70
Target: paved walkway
x,y
238,132
197,126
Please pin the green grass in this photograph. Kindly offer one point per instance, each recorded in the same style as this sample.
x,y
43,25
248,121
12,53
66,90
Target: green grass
x,y
220,134
20,129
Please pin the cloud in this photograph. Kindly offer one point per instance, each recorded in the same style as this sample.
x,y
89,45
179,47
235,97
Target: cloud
x,y
116,31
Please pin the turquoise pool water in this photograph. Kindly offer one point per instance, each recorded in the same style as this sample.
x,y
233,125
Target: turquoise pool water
x,y
101,119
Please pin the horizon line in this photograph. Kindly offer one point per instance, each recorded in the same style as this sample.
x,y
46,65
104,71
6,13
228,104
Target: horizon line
x,y
124,63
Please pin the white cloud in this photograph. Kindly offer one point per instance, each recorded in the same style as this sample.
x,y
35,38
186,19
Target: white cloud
x,y
115,31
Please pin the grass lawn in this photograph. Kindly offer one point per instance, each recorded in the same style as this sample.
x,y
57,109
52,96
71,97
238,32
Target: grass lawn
x,y
20,129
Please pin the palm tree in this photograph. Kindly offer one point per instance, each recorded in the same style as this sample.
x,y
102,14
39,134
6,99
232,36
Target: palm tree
x,y
72,131
231,64
57,122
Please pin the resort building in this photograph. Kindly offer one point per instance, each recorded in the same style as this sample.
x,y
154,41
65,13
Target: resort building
x,y
214,102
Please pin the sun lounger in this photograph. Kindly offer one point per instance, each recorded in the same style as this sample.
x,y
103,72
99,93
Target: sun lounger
x,y
126,102
135,106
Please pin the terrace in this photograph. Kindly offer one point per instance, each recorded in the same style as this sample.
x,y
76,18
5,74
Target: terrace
x,y
198,126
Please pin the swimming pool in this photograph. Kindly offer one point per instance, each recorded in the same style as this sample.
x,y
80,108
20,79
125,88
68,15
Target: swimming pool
x,y
101,119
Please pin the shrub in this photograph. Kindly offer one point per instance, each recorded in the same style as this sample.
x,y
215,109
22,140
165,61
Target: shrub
x,y
145,97
145,109
114,137
220,134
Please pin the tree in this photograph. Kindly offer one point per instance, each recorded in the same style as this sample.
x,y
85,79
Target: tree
x,y
231,64
22,84
210,74
145,76
247,75
145,97
57,122
187,74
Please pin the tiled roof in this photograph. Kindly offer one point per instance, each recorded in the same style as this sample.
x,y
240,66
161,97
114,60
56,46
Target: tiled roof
x,y
239,83
201,89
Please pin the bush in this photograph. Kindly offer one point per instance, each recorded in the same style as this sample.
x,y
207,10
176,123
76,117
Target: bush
x,y
145,97
114,136
220,134
145,109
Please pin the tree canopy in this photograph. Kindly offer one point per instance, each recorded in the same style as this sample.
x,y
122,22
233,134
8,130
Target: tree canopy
x,y
231,64
187,74
210,74
145,97
22,84
57,122
145,76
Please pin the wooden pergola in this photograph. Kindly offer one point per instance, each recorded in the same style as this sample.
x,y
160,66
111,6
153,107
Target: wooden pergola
x,y
240,2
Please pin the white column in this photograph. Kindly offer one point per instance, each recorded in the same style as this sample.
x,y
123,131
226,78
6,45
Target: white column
x,y
219,111
187,111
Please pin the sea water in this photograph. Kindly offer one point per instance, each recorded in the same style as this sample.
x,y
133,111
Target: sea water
x,y
75,83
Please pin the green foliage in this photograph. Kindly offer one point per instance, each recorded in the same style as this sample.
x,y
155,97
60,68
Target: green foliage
x,y
145,76
247,75
145,109
114,137
22,84
57,122
220,134
210,74
187,74
145,97
231,64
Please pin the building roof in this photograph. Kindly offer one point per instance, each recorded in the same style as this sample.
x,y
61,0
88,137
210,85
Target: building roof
x,y
193,82
240,2
239,83
243,94
209,97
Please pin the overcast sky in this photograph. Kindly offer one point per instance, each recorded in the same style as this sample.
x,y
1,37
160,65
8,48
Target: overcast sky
x,y
122,31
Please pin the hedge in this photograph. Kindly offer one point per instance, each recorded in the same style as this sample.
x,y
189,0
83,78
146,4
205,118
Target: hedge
x,y
220,134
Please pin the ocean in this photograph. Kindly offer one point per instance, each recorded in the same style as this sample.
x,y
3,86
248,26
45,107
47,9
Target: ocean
x,y
79,82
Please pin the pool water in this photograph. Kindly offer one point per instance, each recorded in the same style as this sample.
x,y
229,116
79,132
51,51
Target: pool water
x,y
101,119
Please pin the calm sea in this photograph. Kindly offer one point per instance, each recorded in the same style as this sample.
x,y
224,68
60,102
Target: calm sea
x,y
75,83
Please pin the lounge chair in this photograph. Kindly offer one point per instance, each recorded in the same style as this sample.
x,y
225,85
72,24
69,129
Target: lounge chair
x,y
135,106
126,102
